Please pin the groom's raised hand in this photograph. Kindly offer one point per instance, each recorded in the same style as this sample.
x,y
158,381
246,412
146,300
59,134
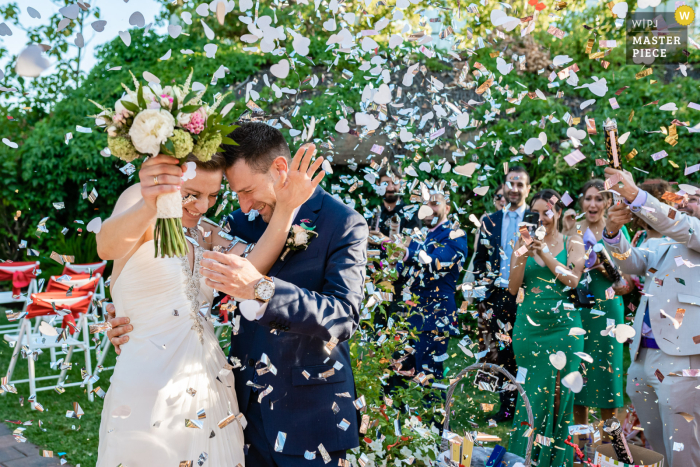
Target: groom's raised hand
x,y
120,326
230,274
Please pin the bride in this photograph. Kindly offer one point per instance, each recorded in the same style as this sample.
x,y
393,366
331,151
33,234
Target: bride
x,y
172,396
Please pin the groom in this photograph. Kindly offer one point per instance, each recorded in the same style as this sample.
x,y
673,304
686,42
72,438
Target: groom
x,y
303,316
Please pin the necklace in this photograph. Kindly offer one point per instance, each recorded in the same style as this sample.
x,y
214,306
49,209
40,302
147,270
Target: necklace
x,y
192,232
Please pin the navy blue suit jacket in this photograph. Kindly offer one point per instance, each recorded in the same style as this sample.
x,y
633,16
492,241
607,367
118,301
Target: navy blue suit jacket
x,y
437,287
487,260
318,295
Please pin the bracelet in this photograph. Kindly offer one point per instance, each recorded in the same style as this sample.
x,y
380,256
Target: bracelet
x,y
607,235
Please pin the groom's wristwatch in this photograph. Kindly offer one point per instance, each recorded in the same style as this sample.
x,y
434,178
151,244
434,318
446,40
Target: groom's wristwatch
x,y
264,289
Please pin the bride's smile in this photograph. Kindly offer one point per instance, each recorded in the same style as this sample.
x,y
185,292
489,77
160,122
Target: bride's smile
x,y
203,189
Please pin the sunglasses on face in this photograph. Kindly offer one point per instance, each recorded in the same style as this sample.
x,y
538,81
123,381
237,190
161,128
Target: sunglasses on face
x,y
498,197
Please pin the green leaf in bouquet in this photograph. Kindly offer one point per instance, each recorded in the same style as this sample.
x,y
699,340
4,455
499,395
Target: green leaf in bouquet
x,y
167,151
139,97
189,97
174,110
229,141
130,106
188,109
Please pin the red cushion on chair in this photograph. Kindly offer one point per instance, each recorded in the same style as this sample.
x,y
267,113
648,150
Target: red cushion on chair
x,y
71,269
80,283
20,273
76,305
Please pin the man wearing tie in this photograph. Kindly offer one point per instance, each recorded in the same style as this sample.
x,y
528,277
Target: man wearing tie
x,y
492,270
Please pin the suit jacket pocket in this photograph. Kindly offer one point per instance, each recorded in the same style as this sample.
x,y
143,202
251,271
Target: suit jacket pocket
x,y
309,375
689,299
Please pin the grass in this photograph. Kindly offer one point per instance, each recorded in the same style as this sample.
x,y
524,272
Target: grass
x,y
78,439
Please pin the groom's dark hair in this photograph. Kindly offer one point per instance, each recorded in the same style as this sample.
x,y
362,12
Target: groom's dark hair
x,y
258,145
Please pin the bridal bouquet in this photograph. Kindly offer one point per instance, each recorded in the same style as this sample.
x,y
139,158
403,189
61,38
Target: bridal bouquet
x,y
170,120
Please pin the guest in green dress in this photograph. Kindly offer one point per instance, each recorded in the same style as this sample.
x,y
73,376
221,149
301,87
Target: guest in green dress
x,y
603,382
547,333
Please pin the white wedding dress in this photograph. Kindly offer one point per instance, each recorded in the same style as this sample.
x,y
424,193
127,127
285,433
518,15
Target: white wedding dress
x,y
171,370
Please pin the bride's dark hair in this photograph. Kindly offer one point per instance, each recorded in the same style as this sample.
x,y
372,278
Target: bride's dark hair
x,y
216,163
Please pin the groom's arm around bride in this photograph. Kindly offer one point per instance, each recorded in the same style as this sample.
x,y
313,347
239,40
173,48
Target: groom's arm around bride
x,y
314,297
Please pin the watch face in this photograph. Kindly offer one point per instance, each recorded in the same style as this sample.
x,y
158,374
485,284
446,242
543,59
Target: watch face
x,y
265,290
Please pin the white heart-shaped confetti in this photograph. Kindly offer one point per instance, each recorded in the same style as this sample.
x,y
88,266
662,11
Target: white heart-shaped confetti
x,y
137,19
532,145
424,211
560,60
623,332
301,45
670,106
31,63
245,5
481,191
210,50
281,69
342,126
167,55
79,41
94,225
203,10
383,95
467,169
70,11
623,138
503,67
587,103
572,132
294,132
47,330
326,166
395,41
558,360
573,381
620,9
174,30
99,26
369,44
190,171
405,135
574,331
425,166
584,356
150,77
33,13
329,25
126,37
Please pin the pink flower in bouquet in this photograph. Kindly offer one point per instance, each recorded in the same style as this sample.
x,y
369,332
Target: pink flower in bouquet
x,y
166,101
196,124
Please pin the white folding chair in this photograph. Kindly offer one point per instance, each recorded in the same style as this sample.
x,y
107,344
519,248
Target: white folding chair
x,y
22,274
31,344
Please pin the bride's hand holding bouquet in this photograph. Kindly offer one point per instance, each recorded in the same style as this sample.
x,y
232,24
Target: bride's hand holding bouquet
x,y
172,122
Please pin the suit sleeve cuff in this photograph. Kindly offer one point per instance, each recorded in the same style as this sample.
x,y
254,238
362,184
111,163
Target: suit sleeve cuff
x,y
639,201
615,240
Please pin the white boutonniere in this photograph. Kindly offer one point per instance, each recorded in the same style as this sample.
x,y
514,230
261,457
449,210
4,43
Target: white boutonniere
x,y
299,238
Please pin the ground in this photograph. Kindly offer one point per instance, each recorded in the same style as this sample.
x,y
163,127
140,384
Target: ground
x,y
78,439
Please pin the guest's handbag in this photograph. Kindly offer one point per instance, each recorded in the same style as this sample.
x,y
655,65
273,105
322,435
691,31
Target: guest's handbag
x,y
582,297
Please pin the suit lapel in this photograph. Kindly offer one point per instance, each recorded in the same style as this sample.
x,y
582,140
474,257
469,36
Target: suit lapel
x,y
496,230
308,213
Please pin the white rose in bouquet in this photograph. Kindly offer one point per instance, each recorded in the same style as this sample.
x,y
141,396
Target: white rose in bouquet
x,y
150,129
183,119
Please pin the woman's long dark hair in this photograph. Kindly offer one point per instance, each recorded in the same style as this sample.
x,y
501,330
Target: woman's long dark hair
x,y
546,195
